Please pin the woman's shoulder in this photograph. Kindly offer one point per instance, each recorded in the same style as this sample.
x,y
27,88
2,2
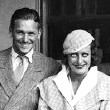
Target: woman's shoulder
x,y
103,76
48,88
46,83
48,80
103,81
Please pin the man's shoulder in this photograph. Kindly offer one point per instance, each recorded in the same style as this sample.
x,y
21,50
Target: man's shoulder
x,y
5,51
50,65
43,58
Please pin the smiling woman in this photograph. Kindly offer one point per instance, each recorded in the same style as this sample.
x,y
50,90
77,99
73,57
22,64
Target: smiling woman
x,y
80,61
79,85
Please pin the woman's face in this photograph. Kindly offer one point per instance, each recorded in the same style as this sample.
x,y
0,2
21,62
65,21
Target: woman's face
x,y
80,61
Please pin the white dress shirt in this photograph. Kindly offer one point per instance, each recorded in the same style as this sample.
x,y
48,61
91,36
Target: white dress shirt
x,y
16,60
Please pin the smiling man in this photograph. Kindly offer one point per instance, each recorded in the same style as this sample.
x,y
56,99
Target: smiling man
x,y
21,66
24,35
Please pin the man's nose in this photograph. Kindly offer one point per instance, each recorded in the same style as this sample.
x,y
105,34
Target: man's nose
x,y
25,37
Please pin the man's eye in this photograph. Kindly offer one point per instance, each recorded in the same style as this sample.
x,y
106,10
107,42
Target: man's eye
x,y
19,32
85,54
31,34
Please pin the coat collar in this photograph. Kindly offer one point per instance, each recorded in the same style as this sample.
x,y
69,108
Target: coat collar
x,y
62,83
89,84
99,92
28,55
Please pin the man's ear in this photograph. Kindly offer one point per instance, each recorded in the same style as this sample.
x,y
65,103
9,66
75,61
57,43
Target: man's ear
x,y
11,33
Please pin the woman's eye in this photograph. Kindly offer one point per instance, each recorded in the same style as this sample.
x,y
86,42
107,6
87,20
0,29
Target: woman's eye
x,y
85,54
73,55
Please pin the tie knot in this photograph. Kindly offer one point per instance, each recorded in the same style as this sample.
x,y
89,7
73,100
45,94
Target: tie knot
x,y
20,60
23,59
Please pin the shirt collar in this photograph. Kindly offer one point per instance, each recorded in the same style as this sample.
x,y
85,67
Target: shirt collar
x,y
29,55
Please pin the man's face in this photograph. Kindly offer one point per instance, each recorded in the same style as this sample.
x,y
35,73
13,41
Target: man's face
x,y
24,35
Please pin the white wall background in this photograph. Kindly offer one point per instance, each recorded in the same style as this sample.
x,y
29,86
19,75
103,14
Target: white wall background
x,y
7,7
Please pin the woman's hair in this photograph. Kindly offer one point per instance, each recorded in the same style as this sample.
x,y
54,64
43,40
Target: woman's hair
x,y
93,56
24,14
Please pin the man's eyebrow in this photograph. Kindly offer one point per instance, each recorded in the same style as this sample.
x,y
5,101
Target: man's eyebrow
x,y
19,30
31,32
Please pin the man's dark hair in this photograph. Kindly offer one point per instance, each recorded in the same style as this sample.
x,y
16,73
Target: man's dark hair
x,y
24,14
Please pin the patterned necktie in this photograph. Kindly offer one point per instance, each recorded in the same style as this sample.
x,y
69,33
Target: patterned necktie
x,y
18,73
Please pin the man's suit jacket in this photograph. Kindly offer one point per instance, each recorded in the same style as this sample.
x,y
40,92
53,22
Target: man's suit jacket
x,y
25,96
51,98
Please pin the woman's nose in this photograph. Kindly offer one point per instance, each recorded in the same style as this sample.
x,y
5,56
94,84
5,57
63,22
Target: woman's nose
x,y
79,60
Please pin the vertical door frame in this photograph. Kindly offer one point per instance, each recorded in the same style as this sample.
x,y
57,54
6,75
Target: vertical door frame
x,y
42,8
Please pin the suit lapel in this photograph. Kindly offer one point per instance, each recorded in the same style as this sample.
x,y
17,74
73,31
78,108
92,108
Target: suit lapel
x,y
6,73
32,77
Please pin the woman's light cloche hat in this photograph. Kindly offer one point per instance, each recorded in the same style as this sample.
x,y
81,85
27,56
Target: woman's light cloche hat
x,y
76,40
